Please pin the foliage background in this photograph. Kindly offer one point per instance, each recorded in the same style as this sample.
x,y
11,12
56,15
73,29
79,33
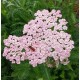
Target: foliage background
x,y
16,13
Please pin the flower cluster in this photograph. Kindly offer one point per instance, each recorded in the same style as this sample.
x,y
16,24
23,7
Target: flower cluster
x,y
43,37
14,49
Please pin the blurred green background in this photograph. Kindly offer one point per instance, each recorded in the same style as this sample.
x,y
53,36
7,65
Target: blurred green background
x,y
16,13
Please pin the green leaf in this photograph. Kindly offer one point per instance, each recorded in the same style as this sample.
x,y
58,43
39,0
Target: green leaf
x,y
21,71
69,67
62,75
73,17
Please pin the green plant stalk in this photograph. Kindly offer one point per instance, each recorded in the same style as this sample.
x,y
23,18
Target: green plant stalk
x,y
45,72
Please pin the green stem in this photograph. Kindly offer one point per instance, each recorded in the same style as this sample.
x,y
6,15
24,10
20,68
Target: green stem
x,y
46,72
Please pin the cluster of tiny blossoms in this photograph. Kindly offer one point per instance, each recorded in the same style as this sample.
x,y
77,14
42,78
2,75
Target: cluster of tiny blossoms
x,y
43,38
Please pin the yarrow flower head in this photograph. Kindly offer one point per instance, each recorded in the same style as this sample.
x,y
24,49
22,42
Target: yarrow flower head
x,y
44,37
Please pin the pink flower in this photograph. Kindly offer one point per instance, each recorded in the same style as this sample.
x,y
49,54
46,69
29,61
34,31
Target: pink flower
x,y
44,38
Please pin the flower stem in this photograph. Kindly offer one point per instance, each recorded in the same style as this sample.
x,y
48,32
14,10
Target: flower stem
x,y
45,72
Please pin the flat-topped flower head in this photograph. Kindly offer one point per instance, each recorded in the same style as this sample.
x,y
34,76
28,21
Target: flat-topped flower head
x,y
44,38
